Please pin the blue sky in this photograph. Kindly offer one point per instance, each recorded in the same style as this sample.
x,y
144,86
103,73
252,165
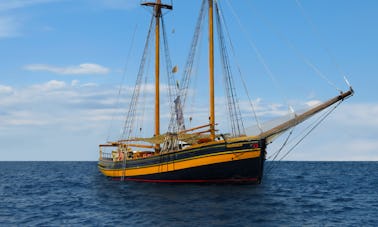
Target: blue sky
x,y
62,62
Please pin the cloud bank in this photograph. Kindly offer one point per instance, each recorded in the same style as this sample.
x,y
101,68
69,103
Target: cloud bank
x,y
85,68
67,120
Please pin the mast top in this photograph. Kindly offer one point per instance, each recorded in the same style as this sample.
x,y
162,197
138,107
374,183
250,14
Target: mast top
x,y
157,4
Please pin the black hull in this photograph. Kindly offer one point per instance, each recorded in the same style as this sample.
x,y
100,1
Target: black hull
x,y
242,171
239,162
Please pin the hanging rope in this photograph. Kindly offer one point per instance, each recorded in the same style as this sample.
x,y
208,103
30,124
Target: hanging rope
x,y
122,82
233,52
259,56
173,91
310,129
236,122
275,154
317,35
315,126
130,117
295,50
184,84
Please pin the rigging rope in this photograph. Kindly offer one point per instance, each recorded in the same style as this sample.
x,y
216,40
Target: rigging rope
x,y
174,124
233,52
129,121
141,118
122,82
315,126
275,154
236,121
259,56
295,50
317,34
185,81
310,129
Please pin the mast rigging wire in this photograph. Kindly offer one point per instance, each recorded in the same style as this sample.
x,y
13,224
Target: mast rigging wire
x,y
174,124
233,52
130,117
260,57
295,50
312,129
185,81
317,34
122,81
236,122
315,124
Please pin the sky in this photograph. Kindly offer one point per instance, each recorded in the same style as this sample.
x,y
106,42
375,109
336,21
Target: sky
x,y
63,62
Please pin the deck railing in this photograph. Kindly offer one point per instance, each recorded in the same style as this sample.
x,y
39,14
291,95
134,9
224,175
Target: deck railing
x,y
105,156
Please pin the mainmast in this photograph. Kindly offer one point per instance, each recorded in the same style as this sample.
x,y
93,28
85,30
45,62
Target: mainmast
x,y
157,13
211,71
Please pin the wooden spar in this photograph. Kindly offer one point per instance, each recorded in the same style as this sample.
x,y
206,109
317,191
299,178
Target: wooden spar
x,y
205,131
140,145
211,71
195,128
109,145
116,144
302,117
157,69
153,4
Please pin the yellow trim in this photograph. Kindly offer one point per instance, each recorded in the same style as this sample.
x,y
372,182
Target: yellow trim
x,y
184,164
234,145
242,138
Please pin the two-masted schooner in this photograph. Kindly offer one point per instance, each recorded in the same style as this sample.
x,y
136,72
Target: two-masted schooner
x,y
198,154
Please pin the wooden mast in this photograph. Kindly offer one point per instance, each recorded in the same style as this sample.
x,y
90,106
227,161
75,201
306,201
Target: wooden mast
x,y
211,71
157,13
157,69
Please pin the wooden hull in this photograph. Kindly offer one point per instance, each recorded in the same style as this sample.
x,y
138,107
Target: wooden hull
x,y
240,161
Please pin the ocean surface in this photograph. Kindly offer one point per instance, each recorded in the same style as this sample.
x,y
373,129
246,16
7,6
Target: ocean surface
x,y
292,193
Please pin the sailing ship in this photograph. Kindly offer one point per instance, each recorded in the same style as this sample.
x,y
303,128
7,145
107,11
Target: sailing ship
x,y
199,154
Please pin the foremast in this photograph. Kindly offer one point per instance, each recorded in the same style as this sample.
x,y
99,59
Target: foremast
x,y
158,6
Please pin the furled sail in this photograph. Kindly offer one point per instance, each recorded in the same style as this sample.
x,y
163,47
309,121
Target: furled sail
x,y
273,132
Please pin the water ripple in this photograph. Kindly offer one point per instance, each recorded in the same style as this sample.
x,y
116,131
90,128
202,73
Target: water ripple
x,y
293,193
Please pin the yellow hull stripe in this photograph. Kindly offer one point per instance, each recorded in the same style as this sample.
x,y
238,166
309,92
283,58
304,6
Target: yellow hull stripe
x,y
183,164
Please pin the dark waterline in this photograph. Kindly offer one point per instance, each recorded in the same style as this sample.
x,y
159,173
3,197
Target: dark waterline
x,y
292,193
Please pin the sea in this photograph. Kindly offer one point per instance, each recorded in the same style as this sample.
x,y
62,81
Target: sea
x,y
291,194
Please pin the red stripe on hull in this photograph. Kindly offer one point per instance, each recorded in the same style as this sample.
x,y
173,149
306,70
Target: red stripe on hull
x,y
250,180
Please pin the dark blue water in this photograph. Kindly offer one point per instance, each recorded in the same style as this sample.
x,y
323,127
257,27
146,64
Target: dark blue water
x,y
292,193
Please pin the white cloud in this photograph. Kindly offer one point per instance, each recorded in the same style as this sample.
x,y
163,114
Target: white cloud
x,y
313,103
89,85
74,83
73,115
349,134
50,85
55,102
9,27
85,68
360,114
5,89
